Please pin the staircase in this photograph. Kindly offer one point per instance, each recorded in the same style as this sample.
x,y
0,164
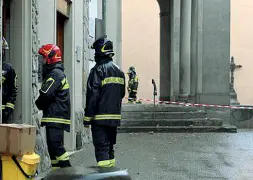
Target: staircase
x,y
167,119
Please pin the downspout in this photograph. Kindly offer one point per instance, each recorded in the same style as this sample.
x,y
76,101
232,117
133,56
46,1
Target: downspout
x,y
1,7
104,15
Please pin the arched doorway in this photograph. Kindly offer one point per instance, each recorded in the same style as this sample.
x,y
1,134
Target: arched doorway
x,y
194,48
141,43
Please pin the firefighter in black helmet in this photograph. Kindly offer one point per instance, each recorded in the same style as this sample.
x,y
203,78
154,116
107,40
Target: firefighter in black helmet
x,y
9,86
132,85
105,91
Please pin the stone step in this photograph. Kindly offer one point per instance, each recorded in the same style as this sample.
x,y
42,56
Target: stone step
x,y
177,129
158,108
171,122
163,115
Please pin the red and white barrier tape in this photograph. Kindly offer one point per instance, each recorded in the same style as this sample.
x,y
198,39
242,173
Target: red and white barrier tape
x,y
197,105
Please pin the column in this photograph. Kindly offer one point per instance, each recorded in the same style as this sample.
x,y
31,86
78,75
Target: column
x,y
113,24
20,58
194,55
175,48
200,24
70,68
165,59
185,49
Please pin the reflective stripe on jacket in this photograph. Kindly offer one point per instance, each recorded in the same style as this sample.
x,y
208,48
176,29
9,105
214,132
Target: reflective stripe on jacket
x,y
9,84
133,84
105,91
54,99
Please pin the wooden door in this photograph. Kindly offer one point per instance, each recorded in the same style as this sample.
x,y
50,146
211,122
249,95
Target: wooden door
x,y
5,15
60,32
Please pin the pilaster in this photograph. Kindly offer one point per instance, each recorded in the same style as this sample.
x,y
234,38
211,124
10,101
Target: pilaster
x,y
185,50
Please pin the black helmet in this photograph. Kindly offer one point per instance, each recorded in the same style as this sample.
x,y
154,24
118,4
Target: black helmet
x,y
103,47
131,70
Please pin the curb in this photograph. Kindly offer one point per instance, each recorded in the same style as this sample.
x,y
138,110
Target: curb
x,y
71,153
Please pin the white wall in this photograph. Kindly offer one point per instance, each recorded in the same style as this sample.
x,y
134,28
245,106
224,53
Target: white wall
x,y
78,59
113,27
47,21
93,13
241,48
99,9
141,43
20,52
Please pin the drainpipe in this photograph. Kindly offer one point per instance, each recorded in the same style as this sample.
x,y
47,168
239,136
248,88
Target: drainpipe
x,y
1,7
104,15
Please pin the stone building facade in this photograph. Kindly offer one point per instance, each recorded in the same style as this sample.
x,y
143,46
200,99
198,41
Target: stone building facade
x,y
75,74
61,22
29,24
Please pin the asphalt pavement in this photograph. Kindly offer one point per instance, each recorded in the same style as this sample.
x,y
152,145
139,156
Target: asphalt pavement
x,y
181,156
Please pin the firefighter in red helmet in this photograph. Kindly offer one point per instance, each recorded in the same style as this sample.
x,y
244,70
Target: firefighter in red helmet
x,y
54,101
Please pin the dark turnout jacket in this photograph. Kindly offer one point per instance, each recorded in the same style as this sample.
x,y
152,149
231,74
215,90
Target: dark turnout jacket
x,y
9,86
54,99
105,91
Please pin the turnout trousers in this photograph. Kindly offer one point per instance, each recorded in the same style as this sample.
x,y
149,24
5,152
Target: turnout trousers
x,y
55,142
104,139
132,97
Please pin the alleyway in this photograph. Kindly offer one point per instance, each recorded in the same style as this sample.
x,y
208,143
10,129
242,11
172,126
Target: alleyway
x,y
203,156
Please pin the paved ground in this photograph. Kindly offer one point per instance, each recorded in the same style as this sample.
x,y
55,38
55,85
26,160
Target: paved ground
x,y
205,156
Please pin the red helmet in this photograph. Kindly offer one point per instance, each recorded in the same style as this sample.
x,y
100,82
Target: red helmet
x,y
51,52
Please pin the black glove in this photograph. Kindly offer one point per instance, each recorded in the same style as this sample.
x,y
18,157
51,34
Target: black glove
x,y
6,113
7,110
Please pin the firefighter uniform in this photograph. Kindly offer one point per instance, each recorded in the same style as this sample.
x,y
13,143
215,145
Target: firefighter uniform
x,y
132,85
9,86
54,101
105,91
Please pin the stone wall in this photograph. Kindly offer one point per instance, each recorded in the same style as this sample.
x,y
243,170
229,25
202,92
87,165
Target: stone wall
x,y
86,134
41,145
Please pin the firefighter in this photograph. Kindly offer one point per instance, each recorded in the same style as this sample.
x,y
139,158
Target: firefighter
x,y
54,101
9,84
132,85
105,91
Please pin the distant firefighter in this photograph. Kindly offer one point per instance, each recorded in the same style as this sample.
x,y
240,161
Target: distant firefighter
x,y
132,85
